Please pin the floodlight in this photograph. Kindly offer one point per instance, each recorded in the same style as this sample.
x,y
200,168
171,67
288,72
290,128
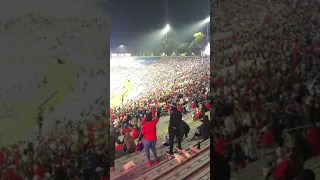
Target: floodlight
x,y
207,19
167,28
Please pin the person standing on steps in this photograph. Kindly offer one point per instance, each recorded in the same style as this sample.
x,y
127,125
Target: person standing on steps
x,y
149,135
174,127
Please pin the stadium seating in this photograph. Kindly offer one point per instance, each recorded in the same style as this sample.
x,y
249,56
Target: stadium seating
x,y
141,171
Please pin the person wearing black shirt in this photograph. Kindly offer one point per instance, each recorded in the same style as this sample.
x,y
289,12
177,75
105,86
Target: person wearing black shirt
x,y
112,142
174,127
220,168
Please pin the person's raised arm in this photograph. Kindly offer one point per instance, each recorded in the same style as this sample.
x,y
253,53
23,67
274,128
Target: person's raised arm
x,y
156,120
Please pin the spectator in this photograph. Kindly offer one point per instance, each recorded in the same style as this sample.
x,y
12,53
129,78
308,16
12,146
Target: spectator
x,y
174,128
252,146
129,144
219,166
230,126
238,158
313,139
267,139
184,129
301,146
306,174
136,132
203,131
149,135
281,170
219,146
112,148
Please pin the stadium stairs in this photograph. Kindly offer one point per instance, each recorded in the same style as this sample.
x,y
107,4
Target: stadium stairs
x,y
194,166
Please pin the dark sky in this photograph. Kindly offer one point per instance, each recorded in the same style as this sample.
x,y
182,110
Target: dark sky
x,y
131,19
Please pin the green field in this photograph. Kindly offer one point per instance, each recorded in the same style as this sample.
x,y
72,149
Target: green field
x,y
59,78
115,100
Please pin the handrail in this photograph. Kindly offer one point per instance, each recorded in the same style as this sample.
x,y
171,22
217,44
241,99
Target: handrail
x,y
297,128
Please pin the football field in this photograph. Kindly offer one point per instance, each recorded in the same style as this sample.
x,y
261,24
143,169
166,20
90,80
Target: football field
x,y
116,97
60,78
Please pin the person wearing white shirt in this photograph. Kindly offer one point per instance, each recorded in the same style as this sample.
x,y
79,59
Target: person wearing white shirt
x,y
246,121
230,126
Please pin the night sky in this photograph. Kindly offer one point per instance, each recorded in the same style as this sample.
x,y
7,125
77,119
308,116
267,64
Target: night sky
x,y
132,19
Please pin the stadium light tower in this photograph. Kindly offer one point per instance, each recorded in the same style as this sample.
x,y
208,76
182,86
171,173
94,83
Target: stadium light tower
x,y
166,30
207,20
121,48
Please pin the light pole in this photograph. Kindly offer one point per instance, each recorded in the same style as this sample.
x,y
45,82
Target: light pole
x,y
207,20
166,30
121,47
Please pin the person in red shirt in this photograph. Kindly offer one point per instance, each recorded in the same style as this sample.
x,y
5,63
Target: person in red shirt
x,y
313,139
16,158
39,170
208,105
119,146
123,130
167,108
135,133
281,170
219,146
179,107
268,138
198,114
193,105
129,129
149,135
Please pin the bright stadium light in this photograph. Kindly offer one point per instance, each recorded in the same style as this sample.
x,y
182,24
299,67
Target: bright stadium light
x,y
207,20
167,28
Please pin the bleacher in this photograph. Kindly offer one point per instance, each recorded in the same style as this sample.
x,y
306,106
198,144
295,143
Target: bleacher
x,y
253,170
198,165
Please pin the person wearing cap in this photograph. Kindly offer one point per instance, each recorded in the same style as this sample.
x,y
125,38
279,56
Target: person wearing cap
x,y
174,127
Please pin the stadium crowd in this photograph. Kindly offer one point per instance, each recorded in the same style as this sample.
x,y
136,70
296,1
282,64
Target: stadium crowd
x,y
179,84
72,148
266,86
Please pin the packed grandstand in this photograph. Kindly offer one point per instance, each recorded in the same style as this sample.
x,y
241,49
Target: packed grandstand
x,y
261,102
265,113
48,121
183,81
